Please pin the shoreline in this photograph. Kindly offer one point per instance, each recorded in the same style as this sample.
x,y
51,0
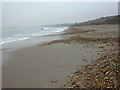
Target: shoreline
x,y
52,62
35,39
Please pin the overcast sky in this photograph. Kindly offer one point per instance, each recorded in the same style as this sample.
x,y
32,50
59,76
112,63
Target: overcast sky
x,y
21,14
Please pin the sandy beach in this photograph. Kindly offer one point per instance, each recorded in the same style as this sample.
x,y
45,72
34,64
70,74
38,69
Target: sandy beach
x,y
49,65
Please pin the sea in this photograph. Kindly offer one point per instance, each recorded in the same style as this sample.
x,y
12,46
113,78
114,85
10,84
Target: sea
x,y
23,36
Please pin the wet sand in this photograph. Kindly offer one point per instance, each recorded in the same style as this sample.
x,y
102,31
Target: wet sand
x,y
36,67
48,65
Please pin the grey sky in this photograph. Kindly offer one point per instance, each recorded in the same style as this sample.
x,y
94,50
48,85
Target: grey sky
x,y
35,14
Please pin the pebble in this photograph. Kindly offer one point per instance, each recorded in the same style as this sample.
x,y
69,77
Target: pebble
x,y
98,75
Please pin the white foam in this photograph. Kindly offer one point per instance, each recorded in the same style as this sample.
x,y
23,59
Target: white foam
x,y
51,31
11,39
23,36
46,28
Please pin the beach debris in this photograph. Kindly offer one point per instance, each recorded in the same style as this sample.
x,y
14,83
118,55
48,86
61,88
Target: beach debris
x,y
101,47
58,66
57,57
84,60
54,81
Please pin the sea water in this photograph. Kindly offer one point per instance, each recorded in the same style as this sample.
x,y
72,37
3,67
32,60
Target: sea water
x,y
17,36
22,33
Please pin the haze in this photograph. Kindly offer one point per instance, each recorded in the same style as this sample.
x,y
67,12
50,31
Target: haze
x,y
20,14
